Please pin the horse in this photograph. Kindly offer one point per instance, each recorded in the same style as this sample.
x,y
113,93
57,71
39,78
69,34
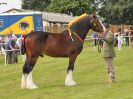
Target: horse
x,y
68,43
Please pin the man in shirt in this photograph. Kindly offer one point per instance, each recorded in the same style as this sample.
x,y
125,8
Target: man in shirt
x,y
10,47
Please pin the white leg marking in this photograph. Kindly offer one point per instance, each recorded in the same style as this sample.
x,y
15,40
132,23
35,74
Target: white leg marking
x,y
30,84
24,81
69,79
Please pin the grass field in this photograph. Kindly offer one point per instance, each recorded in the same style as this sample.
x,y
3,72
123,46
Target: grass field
x,y
90,74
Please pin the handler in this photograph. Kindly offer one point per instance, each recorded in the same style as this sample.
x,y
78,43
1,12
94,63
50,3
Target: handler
x,y
109,52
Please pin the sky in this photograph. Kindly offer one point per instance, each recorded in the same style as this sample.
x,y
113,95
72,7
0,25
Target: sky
x,y
10,4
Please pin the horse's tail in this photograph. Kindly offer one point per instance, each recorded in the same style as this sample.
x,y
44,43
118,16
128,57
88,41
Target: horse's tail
x,y
23,48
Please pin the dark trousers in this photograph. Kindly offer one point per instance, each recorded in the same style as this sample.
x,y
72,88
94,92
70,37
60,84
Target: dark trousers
x,y
12,57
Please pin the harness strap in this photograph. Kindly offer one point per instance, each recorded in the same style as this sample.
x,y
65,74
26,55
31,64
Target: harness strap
x,y
71,32
78,37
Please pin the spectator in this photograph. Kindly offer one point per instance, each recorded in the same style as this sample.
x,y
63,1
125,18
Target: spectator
x,y
7,38
10,35
94,35
11,57
119,38
18,46
116,41
126,37
19,42
131,35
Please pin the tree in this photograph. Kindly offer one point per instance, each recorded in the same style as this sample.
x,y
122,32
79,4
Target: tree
x,y
35,4
71,7
117,11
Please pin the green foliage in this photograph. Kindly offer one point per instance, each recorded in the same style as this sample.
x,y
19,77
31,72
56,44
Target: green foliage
x,y
71,7
113,11
117,11
35,4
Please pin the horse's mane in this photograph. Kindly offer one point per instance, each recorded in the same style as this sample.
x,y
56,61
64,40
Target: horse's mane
x,y
80,25
77,19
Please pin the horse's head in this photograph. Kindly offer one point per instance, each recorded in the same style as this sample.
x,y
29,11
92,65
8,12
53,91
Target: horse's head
x,y
96,24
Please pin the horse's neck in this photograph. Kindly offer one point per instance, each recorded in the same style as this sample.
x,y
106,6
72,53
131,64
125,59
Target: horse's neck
x,y
82,33
82,27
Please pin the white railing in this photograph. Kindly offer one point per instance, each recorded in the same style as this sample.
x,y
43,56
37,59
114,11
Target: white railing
x,y
6,53
3,51
91,38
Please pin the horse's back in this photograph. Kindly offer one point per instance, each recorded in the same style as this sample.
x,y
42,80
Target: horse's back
x,y
52,44
37,35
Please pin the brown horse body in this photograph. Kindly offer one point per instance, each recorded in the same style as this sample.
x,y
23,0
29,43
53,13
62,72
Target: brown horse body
x,y
54,44
57,45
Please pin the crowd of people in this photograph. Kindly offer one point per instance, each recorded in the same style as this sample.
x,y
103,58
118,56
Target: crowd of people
x,y
110,40
12,45
120,38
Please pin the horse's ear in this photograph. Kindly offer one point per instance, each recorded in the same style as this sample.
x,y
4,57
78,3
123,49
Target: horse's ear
x,y
94,15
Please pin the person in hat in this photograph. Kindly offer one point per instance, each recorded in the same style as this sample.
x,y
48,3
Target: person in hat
x,y
109,52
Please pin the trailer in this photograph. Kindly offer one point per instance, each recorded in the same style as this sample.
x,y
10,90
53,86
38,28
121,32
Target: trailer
x,y
20,23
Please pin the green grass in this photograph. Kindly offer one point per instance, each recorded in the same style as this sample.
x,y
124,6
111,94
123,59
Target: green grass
x,y
90,74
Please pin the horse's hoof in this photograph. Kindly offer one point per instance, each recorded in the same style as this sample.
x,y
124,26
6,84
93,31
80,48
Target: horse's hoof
x,y
72,83
110,81
23,87
32,86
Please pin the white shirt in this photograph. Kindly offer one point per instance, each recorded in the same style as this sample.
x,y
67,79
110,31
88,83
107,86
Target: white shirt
x,y
19,42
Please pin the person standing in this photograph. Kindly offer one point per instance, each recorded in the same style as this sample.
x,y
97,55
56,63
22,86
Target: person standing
x,y
94,39
109,52
18,46
127,37
19,42
10,50
119,38
10,34
131,35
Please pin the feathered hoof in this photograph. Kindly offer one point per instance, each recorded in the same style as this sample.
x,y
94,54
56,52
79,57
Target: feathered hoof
x,y
70,83
33,86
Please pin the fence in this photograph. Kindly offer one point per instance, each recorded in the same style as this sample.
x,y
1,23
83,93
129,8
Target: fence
x,y
91,39
3,51
58,29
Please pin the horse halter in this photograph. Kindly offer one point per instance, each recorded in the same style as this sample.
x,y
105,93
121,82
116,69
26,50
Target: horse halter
x,y
71,32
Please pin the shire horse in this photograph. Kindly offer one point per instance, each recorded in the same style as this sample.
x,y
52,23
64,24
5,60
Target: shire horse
x,y
68,43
